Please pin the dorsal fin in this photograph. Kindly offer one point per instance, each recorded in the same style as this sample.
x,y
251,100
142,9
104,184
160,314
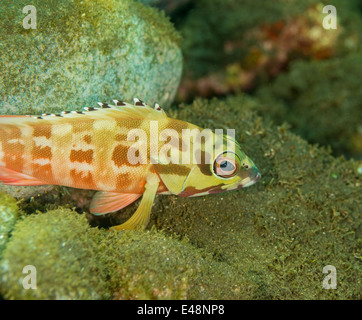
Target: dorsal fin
x,y
138,110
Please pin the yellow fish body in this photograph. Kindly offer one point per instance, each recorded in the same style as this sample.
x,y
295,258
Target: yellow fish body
x,y
124,151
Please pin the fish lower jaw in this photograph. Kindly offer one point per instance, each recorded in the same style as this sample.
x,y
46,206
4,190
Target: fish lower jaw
x,y
252,181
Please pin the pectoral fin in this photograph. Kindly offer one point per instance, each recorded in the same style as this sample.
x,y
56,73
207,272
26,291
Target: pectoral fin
x,y
105,202
141,217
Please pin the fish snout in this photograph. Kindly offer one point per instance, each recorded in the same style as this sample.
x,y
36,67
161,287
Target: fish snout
x,y
252,177
255,174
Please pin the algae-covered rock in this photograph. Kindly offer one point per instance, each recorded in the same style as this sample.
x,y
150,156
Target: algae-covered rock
x,y
73,261
63,250
322,101
82,52
151,265
8,217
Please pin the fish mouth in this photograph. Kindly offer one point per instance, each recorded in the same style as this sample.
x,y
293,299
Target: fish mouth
x,y
257,177
246,182
251,181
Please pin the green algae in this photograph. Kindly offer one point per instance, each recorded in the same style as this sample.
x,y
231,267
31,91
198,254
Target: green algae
x,y
8,216
152,265
74,261
83,52
62,248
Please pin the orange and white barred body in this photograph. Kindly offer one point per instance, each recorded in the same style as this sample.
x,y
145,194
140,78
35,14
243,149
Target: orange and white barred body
x,y
90,150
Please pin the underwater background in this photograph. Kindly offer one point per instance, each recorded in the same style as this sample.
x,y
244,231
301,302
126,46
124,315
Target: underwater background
x,y
291,89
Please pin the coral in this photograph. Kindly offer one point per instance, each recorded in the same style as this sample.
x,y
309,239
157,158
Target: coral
x,y
322,102
8,217
83,52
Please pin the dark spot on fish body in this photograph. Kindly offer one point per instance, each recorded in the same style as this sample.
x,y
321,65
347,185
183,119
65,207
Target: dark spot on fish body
x,y
43,130
82,181
40,152
12,151
217,189
205,169
14,158
189,191
119,155
87,138
81,156
120,137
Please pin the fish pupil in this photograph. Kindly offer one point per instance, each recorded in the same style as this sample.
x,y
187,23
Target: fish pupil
x,y
223,164
227,165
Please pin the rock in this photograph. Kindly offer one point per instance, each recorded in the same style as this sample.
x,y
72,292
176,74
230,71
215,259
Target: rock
x,y
8,217
152,265
82,52
62,248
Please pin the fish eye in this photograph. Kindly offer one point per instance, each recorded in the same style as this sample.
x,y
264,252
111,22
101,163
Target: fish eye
x,y
226,165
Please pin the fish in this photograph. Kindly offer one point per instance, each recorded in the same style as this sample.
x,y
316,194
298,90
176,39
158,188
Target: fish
x,y
124,151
